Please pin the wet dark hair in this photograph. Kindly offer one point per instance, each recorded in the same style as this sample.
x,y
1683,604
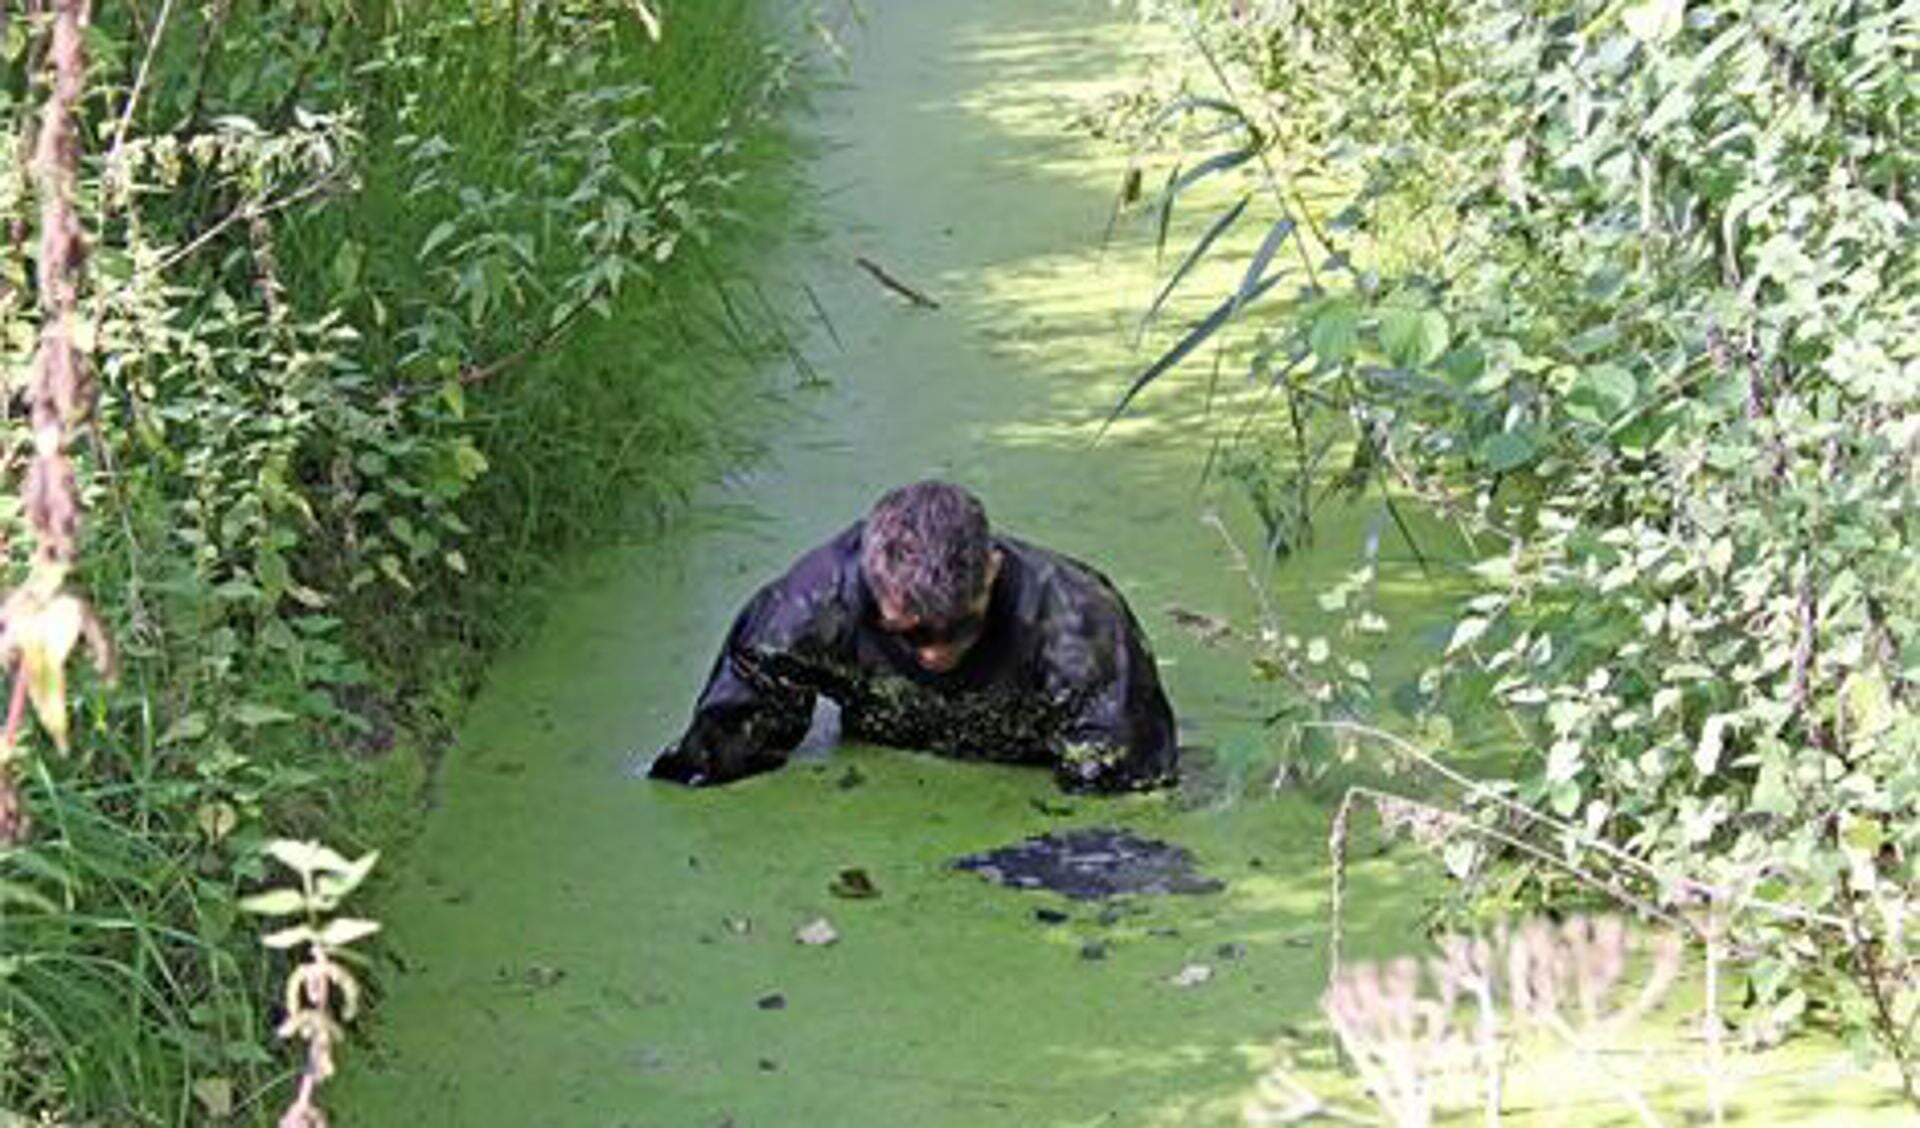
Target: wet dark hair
x,y
925,547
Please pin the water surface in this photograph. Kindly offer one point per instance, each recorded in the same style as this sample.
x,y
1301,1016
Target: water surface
x,y
577,947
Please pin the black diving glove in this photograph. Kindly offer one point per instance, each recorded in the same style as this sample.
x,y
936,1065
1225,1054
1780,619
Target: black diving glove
x,y
674,764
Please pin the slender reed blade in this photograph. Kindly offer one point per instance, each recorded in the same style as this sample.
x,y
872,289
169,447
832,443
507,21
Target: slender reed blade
x,y
1195,337
1214,230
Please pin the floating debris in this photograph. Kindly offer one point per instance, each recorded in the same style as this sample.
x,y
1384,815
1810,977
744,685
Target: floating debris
x,y
853,884
1192,975
1211,630
816,933
1091,863
774,1001
1050,916
536,977
1094,950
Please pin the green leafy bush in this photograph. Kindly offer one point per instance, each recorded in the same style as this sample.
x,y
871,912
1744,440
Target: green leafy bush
x,y
1627,291
386,303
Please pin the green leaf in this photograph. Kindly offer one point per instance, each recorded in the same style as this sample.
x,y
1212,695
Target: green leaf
x,y
468,462
1334,332
274,902
16,893
1413,337
307,857
252,714
1867,702
215,1095
1221,314
345,879
1602,393
193,726
1771,794
339,933
347,260
1466,633
437,236
286,938
1193,255
1508,450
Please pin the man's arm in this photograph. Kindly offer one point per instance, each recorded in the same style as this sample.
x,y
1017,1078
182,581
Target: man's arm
x,y
1119,732
755,708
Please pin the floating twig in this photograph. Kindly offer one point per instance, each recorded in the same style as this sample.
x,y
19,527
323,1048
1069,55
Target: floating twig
x,y
880,275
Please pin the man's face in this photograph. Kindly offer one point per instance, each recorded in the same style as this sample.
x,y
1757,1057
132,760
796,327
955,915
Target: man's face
x,y
940,646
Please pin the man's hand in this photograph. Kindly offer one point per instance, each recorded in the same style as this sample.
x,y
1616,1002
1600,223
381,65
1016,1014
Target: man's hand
x,y
707,769
1086,770
674,764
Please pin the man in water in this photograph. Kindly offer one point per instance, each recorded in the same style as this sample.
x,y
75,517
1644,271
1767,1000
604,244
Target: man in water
x,y
933,633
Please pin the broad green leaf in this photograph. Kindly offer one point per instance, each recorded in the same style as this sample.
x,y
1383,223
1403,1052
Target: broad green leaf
x,y
1334,332
1508,450
1868,703
1413,337
290,937
1601,393
468,462
1466,633
215,1095
345,879
306,857
339,933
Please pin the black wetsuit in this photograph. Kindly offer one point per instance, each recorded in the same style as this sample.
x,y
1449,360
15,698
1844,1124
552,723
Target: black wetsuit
x,y
1061,675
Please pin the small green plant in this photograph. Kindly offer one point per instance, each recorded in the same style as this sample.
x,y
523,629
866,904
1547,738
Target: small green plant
x,y
322,992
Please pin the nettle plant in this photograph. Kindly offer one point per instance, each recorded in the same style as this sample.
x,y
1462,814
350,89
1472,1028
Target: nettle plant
x,y
281,476
588,193
1627,290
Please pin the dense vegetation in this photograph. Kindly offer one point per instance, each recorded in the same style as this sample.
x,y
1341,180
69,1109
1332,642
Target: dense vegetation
x,y
384,304
1626,291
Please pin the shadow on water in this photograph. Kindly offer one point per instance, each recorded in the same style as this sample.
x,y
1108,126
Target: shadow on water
x,y
572,946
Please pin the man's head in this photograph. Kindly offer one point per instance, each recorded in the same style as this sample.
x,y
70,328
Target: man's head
x,y
930,565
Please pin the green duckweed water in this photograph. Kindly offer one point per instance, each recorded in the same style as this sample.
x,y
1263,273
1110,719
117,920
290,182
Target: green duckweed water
x,y
573,946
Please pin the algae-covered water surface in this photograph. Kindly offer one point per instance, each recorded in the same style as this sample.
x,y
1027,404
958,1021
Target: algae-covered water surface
x,y
574,945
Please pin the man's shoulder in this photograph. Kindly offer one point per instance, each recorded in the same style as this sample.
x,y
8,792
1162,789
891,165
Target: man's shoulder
x,y
823,573
1056,584
1050,565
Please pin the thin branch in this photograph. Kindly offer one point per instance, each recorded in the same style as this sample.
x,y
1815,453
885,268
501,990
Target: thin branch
x,y
253,210
1476,789
139,81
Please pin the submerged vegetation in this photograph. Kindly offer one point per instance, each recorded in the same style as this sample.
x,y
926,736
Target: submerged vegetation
x,y
384,303
1625,292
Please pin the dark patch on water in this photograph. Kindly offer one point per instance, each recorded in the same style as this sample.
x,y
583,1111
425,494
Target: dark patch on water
x,y
1091,863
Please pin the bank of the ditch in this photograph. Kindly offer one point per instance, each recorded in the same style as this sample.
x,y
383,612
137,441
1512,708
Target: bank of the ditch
x,y
571,945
